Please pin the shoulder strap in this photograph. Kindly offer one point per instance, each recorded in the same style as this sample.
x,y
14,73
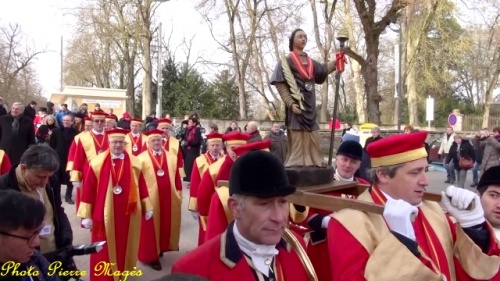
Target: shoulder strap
x,y
301,252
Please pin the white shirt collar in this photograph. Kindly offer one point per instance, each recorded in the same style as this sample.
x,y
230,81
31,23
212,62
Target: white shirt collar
x,y
121,156
156,152
258,253
497,233
338,177
135,135
97,133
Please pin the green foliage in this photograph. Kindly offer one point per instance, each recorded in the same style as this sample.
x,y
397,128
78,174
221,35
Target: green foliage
x,y
185,91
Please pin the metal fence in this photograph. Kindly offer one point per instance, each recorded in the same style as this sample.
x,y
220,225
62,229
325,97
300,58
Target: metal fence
x,y
472,123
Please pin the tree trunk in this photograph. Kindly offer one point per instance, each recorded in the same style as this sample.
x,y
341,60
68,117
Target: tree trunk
x,y
370,74
355,66
146,78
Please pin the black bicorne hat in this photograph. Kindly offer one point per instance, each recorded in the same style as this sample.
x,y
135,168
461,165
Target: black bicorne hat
x,y
259,174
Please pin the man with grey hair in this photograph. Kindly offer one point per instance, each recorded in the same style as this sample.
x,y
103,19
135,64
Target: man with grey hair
x,y
253,131
375,136
34,178
16,133
257,245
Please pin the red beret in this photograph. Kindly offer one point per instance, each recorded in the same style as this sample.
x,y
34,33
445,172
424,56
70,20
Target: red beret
x,y
98,114
235,138
154,133
164,121
117,132
397,149
260,145
136,120
214,137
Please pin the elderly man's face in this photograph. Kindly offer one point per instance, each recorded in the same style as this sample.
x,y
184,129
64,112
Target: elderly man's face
x,y
67,121
36,178
215,148
230,152
346,166
156,144
491,205
261,220
276,128
98,124
375,133
16,110
18,245
110,125
117,145
409,182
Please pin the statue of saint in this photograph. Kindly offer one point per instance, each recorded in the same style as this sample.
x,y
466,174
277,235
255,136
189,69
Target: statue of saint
x,y
295,77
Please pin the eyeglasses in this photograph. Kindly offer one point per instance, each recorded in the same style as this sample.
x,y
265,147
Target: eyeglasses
x,y
117,142
29,239
99,121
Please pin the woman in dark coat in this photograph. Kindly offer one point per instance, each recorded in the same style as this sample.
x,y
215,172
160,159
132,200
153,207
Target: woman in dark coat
x,y
460,149
191,144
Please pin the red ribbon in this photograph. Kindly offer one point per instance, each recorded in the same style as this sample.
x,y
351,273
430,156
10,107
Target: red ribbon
x,y
340,62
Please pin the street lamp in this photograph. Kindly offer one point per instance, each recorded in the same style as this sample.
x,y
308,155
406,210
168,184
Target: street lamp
x,y
399,84
339,65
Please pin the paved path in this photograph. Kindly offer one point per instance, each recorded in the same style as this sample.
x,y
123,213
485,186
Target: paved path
x,y
189,231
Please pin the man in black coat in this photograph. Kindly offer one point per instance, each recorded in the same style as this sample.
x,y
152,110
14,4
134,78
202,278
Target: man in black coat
x,y
60,141
16,133
34,177
3,111
30,111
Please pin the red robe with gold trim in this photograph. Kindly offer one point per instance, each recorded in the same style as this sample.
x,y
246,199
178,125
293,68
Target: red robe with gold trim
x,y
116,217
317,247
201,165
219,215
162,233
5,163
215,172
221,259
139,141
362,247
87,148
173,146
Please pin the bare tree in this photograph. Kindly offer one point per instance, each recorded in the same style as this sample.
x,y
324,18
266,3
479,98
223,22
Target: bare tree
x,y
372,30
17,76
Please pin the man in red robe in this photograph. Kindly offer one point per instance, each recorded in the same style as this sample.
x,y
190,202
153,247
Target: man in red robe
x,y
88,145
218,171
88,124
171,144
111,206
163,182
136,141
214,153
347,162
219,215
414,239
257,245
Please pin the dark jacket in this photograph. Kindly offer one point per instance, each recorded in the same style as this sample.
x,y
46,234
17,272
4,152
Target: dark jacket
x,y
62,232
3,111
29,112
279,145
15,144
370,140
61,140
39,263
466,151
255,137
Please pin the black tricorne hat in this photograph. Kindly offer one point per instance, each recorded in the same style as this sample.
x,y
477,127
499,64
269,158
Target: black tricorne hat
x,y
351,149
259,174
489,177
